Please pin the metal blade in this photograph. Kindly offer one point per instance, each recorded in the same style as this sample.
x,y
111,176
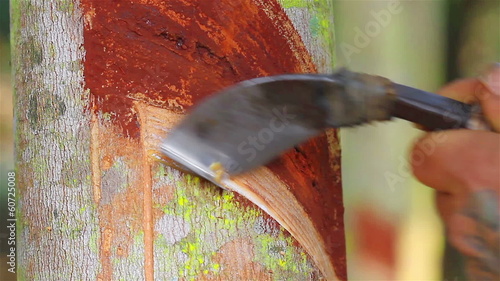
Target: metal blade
x,y
250,124
255,121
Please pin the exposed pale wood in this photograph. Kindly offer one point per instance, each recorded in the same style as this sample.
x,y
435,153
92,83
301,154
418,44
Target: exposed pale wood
x,y
262,187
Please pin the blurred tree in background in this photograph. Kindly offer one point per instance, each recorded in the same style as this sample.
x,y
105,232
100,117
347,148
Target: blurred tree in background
x,y
424,44
4,20
4,36
6,140
473,42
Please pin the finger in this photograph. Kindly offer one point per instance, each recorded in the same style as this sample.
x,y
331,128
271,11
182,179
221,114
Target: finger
x,y
488,95
447,204
485,90
456,160
462,90
461,231
472,224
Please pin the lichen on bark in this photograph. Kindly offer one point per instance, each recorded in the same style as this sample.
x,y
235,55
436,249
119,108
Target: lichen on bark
x,y
56,216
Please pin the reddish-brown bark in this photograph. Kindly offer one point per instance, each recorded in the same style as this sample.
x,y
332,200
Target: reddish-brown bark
x,y
174,53
317,185
171,54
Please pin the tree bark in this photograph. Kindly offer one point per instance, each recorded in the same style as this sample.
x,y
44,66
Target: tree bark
x,y
99,83
57,226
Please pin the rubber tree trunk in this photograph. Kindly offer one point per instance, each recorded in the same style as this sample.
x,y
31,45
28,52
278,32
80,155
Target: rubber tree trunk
x,y
97,86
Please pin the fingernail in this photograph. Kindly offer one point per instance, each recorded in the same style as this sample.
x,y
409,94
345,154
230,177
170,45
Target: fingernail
x,y
491,78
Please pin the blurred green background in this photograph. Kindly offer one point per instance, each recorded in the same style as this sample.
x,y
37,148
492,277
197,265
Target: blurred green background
x,y
392,229
5,91
6,136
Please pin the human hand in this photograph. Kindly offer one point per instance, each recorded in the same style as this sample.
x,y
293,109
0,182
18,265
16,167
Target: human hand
x,y
464,168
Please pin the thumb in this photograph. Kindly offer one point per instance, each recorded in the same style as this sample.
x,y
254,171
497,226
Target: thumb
x,y
457,160
488,95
